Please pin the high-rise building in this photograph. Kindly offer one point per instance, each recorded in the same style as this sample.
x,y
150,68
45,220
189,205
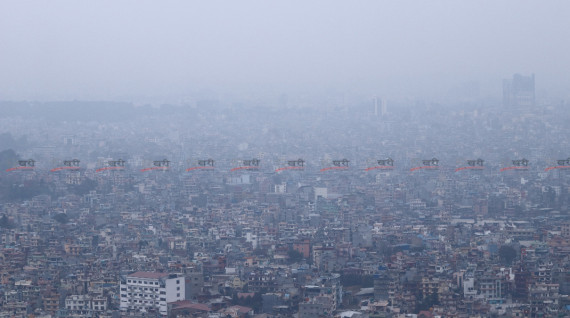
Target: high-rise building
x,y
380,107
519,91
150,291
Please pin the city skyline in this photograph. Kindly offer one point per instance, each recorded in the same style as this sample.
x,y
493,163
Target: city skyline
x,y
145,51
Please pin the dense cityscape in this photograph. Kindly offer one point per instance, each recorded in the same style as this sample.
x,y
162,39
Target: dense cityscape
x,y
284,159
356,208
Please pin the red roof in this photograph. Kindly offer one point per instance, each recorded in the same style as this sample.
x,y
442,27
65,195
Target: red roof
x,y
186,304
425,313
241,309
152,275
245,295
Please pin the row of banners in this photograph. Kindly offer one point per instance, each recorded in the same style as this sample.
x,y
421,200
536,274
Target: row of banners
x,y
296,164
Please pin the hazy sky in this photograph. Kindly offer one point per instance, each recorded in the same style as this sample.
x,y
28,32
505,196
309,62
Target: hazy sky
x,y
69,49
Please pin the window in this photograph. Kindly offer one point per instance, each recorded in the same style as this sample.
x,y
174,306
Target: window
x,y
178,295
177,288
177,281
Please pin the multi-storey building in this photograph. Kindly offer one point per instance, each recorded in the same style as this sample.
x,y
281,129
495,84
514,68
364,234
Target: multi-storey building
x,y
51,302
85,305
328,288
543,299
491,287
565,229
150,291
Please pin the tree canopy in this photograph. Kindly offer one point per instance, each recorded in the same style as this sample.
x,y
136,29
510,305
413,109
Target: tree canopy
x,y
507,254
61,218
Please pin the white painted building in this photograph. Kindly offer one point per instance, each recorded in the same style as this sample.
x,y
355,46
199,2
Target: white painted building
x,y
281,188
321,192
85,305
150,291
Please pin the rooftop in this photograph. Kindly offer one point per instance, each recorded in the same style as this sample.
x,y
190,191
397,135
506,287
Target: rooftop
x,y
152,275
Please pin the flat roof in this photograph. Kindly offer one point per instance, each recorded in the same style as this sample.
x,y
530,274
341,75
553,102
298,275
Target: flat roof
x,y
153,275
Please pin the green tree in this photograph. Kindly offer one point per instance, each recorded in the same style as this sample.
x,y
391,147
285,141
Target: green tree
x,y
260,252
427,302
507,254
294,256
85,187
62,218
254,302
5,222
362,281
27,190
238,231
142,243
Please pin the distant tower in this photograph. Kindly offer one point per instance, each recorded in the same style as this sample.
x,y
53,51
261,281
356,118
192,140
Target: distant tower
x,y
383,108
519,91
376,106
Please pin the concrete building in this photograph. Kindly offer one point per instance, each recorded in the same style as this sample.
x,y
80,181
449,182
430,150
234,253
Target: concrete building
x,y
150,291
519,91
85,305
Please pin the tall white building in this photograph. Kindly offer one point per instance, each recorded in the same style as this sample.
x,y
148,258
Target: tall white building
x,y
383,111
321,192
150,291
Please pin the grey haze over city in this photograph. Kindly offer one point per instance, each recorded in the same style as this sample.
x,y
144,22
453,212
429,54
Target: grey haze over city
x,y
141,50
277,159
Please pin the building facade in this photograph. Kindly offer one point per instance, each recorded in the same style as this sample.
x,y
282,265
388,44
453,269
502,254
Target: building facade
x,y
151,292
